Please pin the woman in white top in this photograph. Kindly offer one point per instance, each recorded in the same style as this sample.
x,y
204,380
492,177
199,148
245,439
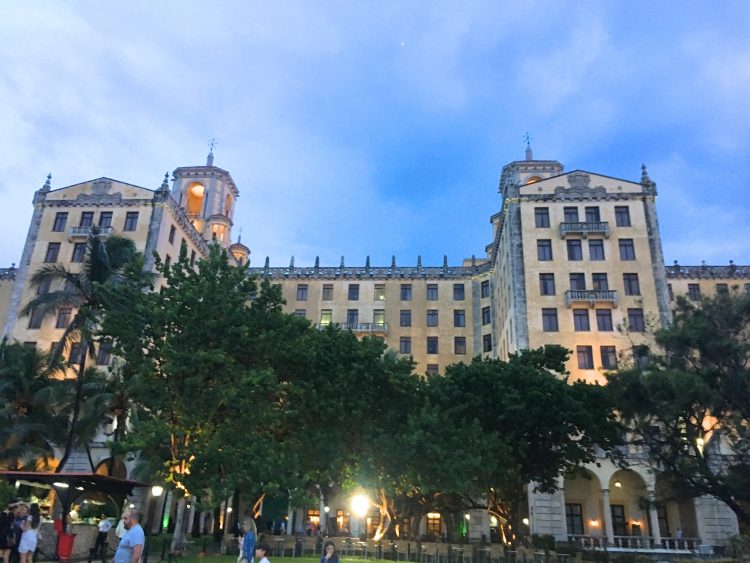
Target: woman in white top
x,y
30,536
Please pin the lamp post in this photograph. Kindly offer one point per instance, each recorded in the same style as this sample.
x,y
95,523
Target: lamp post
x,y
156,492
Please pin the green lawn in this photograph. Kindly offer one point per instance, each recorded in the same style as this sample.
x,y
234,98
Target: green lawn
x,y
211,558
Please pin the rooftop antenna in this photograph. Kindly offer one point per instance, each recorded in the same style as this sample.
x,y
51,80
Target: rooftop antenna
x,y
527,138
210,159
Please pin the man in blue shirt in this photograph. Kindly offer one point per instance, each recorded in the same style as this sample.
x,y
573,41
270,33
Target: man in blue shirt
x,y
131,544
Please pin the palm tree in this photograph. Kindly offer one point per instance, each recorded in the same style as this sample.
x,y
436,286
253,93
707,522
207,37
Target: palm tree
x,y
30,415
88,291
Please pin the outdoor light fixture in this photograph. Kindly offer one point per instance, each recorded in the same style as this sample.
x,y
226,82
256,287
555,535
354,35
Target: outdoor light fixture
x,y
493,521
467,516
229,509
525,521
61,485
326,509
131,505
618,485
595,522
360,504
157,490
79,488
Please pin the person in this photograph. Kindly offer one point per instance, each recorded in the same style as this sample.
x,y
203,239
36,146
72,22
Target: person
x,y
330,555
248,540
120,530
29,536
101,538
131,545
6,527
260,552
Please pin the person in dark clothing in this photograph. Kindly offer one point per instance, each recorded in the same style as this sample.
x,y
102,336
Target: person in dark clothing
x,y
330,555
6,525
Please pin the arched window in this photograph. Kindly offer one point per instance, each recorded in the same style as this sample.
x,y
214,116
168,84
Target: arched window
x,y
228,206
195,194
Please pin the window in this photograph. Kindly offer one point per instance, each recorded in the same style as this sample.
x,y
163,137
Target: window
x,y
578,282
575,251
459,345
604,320
76,354
581,320
61,218
622,216
459,292
585,357
487,343
352,317
131,221
104,355
541,217
43,286
379,292
574,519
302,292
434,524
378,318
172,231
570,214
105,219
600,282
35,319
299,313
53,250
29,345
627,250
547,284
640,356
694,291
432,292
619,524
609,357
404,345
79,251
596,249
549,320
636,322
671,294
63,317
485,288
327,292
544,250
432,344
486,316
405,317
722,288
192,258
326,317
87,219
592,215
167,261
433,369
405,292
632,287
353,292
432,317
459,318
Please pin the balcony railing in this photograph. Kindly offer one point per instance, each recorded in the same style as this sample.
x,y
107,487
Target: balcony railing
x,y
85,232
361,328
637,543
590,296
584,228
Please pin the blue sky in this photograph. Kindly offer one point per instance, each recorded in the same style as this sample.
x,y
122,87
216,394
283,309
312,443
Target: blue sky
x,y
380,128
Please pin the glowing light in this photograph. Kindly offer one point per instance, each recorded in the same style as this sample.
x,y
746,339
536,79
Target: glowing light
x,y
467,516
618,485
594,522
197,190
433,515
326,509
229,509
79,488
61,485
157,490
131,505
360,504
493,521
525,521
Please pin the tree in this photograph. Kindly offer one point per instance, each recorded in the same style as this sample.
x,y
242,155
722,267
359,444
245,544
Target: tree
x,y
31,419
490,428
690,406
86,291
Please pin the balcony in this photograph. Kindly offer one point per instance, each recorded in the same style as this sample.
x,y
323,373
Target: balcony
x,y
641,544
590,296
361,328
85,232
584,229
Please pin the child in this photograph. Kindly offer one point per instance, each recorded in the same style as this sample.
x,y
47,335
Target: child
x,y
260,553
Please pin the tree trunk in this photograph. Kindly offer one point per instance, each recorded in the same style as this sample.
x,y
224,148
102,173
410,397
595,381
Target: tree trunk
x,y
178,538
76,413
385,516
